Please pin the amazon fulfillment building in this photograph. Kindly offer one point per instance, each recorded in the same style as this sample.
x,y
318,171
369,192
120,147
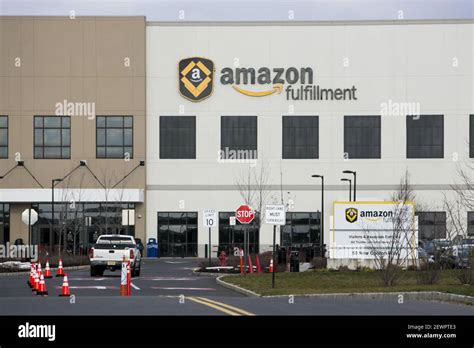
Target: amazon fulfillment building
x,y
148,124
247,113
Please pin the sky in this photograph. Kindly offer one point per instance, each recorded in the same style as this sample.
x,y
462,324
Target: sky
x,y
247,10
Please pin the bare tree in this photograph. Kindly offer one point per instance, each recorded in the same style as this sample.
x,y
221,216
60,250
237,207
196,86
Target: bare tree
x,y
254,188
392,250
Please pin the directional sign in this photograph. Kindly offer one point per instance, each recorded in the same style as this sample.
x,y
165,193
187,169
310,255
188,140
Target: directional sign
x,y
27,219
275,214
244,214
209,217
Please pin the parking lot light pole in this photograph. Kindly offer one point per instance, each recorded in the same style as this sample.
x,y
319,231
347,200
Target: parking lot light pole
x,y
350,187
355,180
321,231
53,183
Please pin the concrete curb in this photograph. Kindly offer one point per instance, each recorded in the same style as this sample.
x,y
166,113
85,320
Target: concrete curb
x,y
236,288
421,295
72,268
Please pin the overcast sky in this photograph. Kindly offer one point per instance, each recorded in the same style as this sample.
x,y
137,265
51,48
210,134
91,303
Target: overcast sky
x,y
246,10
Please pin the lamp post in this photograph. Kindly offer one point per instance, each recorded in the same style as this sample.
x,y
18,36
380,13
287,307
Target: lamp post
x,y
321,232
355,180
350,187
53,183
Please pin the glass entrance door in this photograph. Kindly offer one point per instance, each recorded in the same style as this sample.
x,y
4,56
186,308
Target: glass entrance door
x,y
177,234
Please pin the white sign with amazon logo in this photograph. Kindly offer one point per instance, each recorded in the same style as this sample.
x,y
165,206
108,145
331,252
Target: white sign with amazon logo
x,y
360,230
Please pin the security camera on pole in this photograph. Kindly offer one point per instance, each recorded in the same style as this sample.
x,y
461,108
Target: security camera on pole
x,y
275,214
245,215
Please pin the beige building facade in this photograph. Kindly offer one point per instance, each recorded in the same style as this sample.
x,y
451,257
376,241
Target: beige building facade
x,y
72,107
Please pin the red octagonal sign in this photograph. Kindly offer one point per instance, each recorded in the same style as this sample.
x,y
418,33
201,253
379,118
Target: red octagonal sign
x,y
244,214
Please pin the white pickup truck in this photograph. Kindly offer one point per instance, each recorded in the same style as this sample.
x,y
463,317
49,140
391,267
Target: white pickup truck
x,y
109,252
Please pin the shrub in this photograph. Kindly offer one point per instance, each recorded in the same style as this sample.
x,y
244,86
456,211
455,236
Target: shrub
x,y
466,275
319,263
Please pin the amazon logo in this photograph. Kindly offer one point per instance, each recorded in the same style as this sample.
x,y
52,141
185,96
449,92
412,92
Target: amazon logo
x,y
260,82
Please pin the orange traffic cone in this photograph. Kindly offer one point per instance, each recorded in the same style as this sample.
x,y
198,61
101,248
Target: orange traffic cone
x,y
30,278
250,265
129,280
42,287
60,271
47,271
124,279
36,282
38,267
65,288
271,265
257,261
241,264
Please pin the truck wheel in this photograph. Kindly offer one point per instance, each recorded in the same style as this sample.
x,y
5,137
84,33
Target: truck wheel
x,y
100,272
136,272
93,271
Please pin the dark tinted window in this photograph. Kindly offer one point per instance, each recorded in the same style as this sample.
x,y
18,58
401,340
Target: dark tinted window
x,y
431,225
362,136
114,136
239,133
52,137
470,223
177,233
300,137
177,137
425,136
3,136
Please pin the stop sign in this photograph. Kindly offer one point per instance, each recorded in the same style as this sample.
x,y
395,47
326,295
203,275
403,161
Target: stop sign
x,y
244,214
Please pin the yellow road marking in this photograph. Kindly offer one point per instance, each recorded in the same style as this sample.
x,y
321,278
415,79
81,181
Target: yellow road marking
x,y
213,306
229,307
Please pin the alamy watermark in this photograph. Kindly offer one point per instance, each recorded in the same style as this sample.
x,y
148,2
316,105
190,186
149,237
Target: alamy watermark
x,y
393,108
13,251
66,108
237,156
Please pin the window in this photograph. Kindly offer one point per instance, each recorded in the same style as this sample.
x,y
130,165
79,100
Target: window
x,y
425,136
83,224
471,136
301,229
231,237
114,137
300,137
177,233
470,223
362,136
52,137
3,136
239,137
5,223
177,137
431,225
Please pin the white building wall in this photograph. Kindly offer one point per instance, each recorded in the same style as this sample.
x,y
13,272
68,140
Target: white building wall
x,y
392,61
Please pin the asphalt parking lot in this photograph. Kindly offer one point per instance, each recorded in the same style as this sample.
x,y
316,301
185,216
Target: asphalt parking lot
x,y
169,287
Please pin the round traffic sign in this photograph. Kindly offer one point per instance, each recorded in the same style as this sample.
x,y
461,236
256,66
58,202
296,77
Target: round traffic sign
x,y
244,214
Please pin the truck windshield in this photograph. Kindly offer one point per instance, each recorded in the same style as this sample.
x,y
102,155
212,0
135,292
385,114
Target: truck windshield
x,y
114,243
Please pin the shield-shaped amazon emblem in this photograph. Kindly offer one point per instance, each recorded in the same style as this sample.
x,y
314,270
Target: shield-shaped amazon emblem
x,y
351,215
196,77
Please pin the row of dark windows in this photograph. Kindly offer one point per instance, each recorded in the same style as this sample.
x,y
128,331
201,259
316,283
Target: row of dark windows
x,y
300,136
52,137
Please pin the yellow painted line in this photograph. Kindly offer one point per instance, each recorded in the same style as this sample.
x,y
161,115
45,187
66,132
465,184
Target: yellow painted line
x,y
235,309
213,306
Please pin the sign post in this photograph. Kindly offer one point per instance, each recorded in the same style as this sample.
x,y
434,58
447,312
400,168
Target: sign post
x,y
275,215
29,217
209,220
245,215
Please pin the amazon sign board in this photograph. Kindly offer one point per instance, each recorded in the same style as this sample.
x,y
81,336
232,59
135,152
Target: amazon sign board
x,y
362,230
196,81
